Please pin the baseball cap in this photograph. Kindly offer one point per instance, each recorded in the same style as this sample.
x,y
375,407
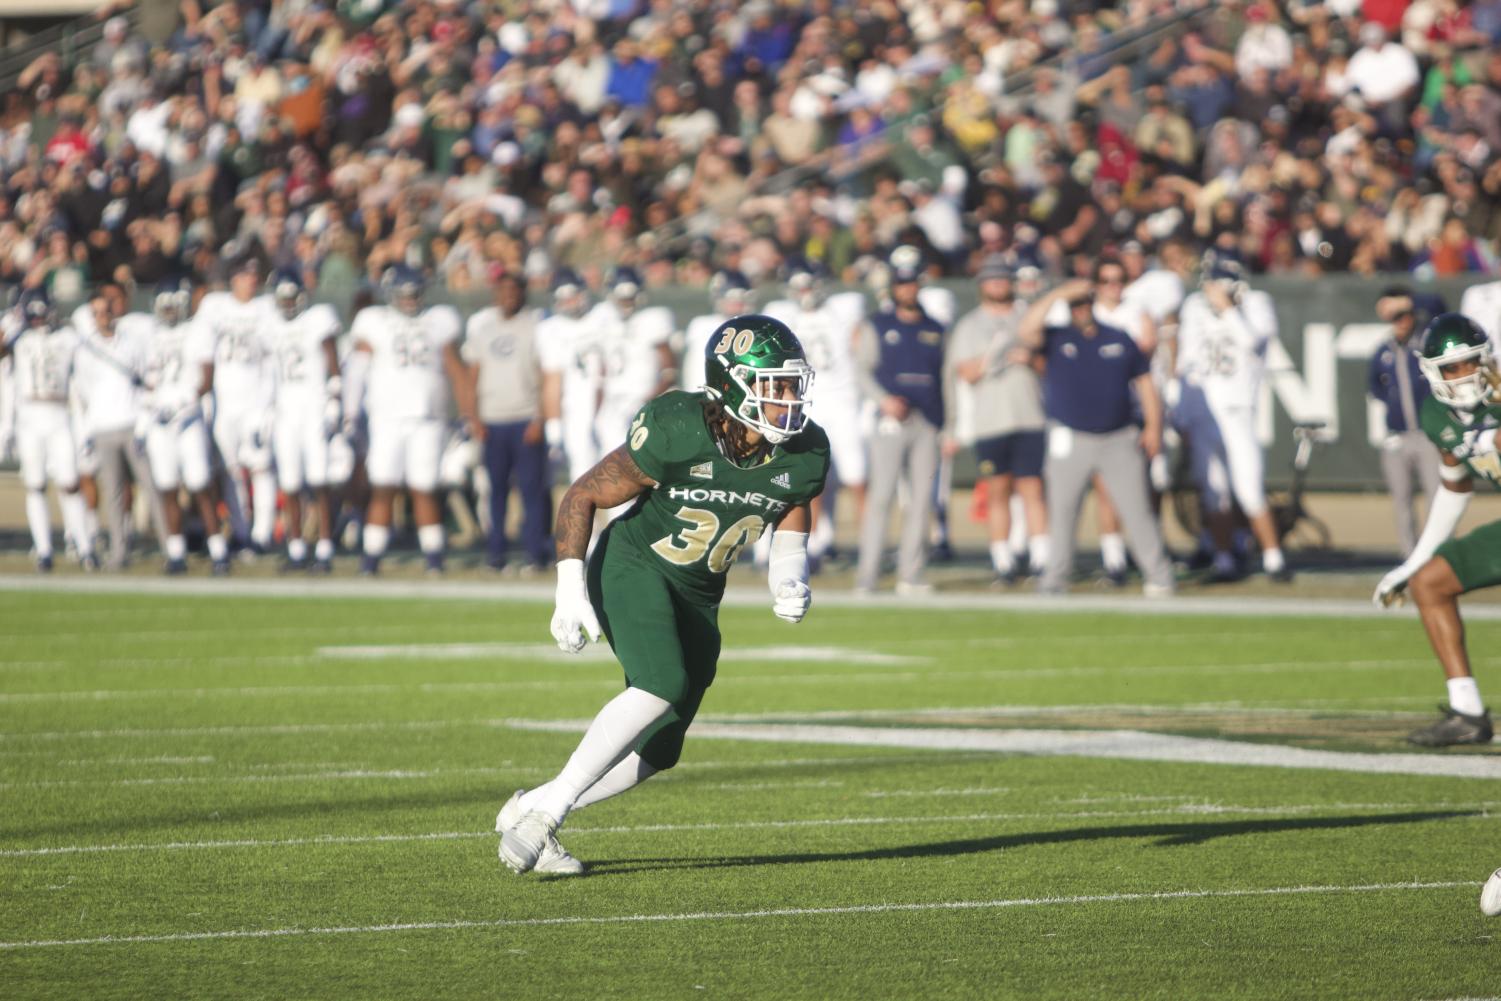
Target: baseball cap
x,y
993,267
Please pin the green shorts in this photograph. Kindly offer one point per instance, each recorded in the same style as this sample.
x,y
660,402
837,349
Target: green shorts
x,y
667,641
1476,557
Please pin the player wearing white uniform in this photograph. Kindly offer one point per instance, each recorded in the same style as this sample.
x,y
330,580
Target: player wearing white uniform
x,y
729,295
1482,303
573,362
43,358
825,326
179,373
238,322
1223,333
411,361
638,363
308,411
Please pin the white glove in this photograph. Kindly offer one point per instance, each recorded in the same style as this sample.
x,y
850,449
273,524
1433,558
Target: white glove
x,y
1391,592
1477,441
1172,393
333,416
791,600
574,623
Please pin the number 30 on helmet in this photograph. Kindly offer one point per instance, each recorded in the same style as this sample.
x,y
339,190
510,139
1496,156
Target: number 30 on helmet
x,y
754,362
1452,339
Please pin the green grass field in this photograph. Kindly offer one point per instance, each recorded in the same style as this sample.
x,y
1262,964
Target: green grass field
x,y
208,797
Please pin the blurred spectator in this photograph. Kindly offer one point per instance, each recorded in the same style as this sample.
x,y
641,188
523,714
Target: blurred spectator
x,y
1398,384
995,404
900,353
502,352
1093,374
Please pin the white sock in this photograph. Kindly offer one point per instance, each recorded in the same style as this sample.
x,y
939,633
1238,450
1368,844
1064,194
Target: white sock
x,y
629,772
40,521
1272,561
324,550
236,498
608,741
1113,552
177,547
1038,552
822,536
218,549
296,549
430,539
75,522
1019,526
1001,558
264,499
90,526
1464,696
376,538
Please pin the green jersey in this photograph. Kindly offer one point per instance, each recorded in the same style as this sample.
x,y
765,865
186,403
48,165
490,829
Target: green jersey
x,y
1447,428
705,509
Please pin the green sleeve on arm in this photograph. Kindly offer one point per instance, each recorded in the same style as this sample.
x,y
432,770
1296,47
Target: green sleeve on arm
x,y
663,437
1436,423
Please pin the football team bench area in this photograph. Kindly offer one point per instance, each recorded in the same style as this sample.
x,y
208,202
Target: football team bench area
x,y
249,793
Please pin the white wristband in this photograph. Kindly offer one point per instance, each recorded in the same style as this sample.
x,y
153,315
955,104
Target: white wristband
x,y
789,559
571,573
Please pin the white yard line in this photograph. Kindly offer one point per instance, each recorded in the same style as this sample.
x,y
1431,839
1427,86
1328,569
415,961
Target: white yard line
x,y
745,915
1183,811
506,768
800,678
599,651
744,596
1128,745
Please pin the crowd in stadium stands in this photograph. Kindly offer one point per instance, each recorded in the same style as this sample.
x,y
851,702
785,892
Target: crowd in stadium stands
x,y
1143,159
680,136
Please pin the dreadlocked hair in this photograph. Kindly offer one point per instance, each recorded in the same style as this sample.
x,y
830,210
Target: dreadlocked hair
x,y
728,433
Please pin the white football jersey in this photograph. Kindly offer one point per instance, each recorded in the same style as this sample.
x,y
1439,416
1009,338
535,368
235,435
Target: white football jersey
x,y
1226,353
176,358
628,351
1159,292
696,347
569,345
407,378
43,365
242,355
1126,316
301,365
827,336
1482,303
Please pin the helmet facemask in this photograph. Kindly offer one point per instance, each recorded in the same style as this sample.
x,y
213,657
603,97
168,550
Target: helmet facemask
x,y
1463,392
784,387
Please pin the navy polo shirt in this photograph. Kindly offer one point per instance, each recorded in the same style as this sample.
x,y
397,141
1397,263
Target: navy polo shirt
x,y
1385,386
910,363
1087,385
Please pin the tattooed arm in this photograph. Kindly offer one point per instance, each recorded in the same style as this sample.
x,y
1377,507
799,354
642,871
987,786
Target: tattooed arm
x,y
614,480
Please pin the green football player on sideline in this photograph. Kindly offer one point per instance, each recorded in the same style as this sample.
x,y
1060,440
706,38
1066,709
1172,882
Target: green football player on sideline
x,y
1461,418
708,473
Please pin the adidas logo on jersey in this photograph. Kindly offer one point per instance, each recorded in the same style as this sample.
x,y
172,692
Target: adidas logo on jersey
x,y
782,480
703,471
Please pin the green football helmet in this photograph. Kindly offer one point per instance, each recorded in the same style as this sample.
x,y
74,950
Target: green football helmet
x,y
753,361
1451,338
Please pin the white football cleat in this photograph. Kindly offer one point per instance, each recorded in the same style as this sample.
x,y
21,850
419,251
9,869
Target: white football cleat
x,y
1490,895
552,860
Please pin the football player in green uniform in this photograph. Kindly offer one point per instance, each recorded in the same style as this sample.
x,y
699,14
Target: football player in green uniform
x,y
706,473
1461,418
